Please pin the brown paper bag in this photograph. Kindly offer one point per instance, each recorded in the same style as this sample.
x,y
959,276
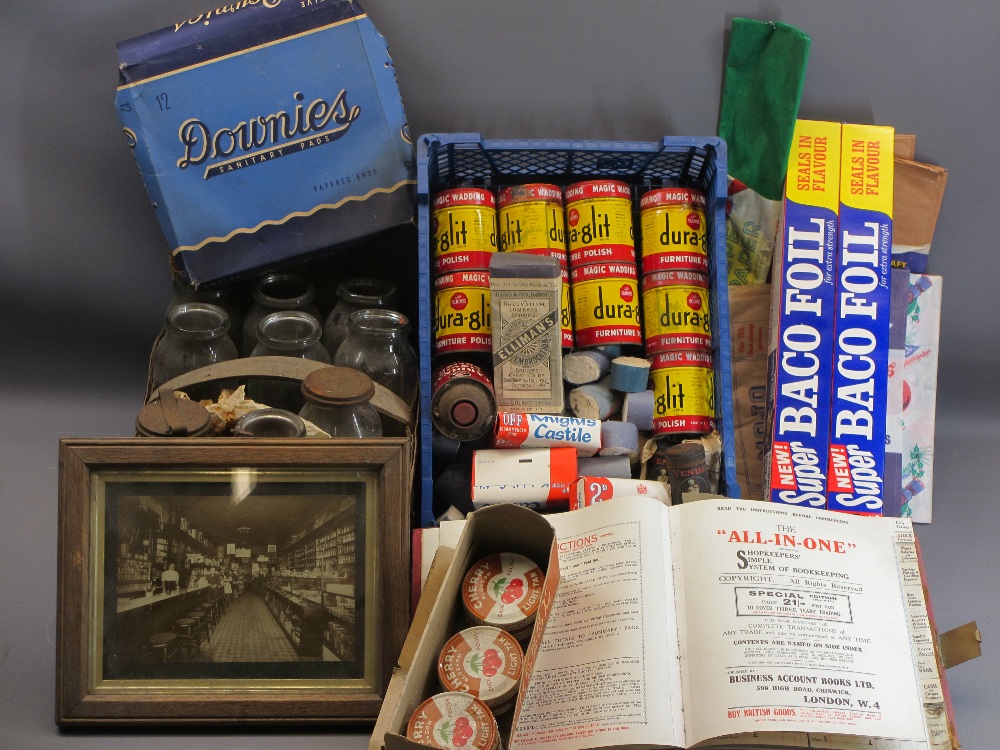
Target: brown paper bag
x,y
749,315
918,192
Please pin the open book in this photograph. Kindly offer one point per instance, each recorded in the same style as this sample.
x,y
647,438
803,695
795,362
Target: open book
x,y
731,624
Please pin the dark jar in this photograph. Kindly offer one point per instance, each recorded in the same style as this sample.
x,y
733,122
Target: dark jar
x,y
377,344
338,401
194,335
355,294
273,292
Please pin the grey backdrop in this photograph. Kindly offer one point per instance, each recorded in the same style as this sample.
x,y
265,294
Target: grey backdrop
x,y
84,280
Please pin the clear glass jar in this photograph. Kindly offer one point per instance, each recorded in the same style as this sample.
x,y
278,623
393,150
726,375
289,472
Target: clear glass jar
x,y
194,335
273,292
286,333
338,401
274,423
355,294
377,344
224,297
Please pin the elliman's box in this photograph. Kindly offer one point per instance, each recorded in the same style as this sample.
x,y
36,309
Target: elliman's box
x,y
266,133
861,348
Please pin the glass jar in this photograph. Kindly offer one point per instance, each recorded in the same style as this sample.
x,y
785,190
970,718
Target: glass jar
x,y
274,423
338,401
287,333
273,292
355,294
194,335
376,344
224,297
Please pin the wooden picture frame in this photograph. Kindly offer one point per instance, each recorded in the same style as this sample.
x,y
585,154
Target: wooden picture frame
x,y
130,648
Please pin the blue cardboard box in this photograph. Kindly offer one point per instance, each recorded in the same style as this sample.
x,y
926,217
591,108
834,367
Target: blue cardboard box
x,y
800,360
266,133
856,475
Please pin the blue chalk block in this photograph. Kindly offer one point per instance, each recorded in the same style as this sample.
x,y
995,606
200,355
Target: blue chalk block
x,y
629,374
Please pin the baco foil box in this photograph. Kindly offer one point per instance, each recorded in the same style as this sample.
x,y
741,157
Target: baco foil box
x,y
861,348
266,131
800,356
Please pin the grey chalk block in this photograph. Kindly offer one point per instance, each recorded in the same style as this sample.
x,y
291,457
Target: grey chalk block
x,y
585,366
595,400
638,409
619,439
616,467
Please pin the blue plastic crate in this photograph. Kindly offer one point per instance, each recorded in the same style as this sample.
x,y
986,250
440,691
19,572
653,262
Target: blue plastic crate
x,y
446,160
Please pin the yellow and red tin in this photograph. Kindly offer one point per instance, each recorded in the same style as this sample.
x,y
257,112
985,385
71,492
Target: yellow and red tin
x,y
674,230
566,313
605,298
532,220
676,312
485,662
599,223
454,720
463,230
462,312
683,393
503,590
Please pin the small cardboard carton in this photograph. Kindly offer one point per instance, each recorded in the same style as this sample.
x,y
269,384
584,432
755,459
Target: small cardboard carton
x,y
439,615
266,133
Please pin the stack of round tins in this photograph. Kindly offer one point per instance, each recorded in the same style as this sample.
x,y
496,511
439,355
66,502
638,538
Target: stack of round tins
x,y
485,662
463,238
676,313
603,272
532,220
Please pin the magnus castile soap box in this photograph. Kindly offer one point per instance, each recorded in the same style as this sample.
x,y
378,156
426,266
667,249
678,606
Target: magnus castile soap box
x,y
266,131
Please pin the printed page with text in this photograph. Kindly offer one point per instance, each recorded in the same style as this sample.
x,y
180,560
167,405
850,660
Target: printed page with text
x,y
793,620
607,672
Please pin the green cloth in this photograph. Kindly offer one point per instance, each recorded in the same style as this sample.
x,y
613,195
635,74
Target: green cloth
x,y
765,70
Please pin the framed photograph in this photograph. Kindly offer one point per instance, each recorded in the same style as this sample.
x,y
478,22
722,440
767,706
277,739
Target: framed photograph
x,y
216,580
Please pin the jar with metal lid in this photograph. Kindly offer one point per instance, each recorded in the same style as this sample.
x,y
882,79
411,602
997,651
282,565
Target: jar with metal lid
x,y
287,333
355,294
338,401
194,335
173,417
273,292
376,344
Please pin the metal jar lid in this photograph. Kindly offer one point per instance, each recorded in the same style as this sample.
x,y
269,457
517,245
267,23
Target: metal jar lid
x,y
338,386
173,417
